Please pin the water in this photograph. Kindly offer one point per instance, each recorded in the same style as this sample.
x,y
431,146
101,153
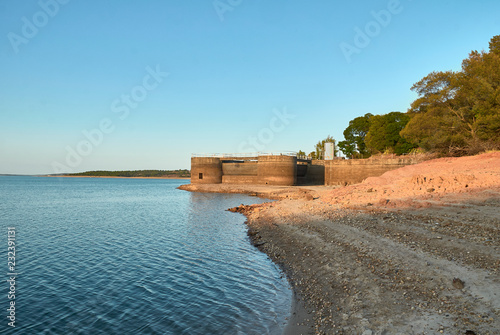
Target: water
x,y
122,256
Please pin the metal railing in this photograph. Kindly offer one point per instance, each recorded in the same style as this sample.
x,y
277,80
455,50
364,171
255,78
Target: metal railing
x,y
246,154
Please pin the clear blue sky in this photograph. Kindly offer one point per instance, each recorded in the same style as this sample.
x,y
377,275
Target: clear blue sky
x,y
72,66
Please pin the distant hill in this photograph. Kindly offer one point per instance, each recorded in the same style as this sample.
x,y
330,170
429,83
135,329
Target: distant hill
x,y
137,173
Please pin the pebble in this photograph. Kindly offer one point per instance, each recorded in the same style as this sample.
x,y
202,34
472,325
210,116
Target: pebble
x,y
412,289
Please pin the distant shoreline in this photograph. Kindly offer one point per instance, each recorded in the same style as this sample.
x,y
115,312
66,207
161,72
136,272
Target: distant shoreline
x,y
69,176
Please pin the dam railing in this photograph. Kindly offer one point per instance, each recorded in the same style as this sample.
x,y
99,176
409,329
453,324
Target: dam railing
x,y
247,154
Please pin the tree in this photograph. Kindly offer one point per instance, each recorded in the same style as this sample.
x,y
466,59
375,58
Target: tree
x,y
495,45
383,134
431,125
459,111
478,94
301,154
354,143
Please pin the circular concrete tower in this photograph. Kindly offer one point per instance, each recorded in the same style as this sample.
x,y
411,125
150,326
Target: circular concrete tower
x,y
206,170
277,170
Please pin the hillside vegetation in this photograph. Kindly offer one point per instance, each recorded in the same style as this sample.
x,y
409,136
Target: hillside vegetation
x,y
137,174
457,113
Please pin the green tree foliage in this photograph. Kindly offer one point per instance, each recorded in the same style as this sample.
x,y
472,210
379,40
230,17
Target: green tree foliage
x,y
354,143
459,111
383,134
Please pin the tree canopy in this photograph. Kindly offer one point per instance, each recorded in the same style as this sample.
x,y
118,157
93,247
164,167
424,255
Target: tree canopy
x,y
456,112
459,112
383,134
354,143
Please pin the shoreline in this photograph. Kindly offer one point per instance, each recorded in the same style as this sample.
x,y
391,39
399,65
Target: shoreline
x,y
303,192
299,321
397,280
360,261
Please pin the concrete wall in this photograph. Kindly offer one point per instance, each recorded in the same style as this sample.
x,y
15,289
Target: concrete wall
x,y
314,173
277,170
285,171
302,169
239,169
270,170
240,179
206,170
352,171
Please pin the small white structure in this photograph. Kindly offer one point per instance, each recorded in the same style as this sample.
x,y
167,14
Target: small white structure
x,y
329,151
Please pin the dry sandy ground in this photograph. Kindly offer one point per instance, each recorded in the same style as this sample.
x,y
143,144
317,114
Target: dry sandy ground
x,y
415,251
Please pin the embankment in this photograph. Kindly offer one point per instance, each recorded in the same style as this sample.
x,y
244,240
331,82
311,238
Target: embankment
x,y
415,251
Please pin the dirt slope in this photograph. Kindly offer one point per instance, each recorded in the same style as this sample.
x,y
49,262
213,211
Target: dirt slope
x,y
432,182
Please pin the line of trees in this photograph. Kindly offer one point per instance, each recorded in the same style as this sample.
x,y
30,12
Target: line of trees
x,y
138,173
456,113
370,134
319,149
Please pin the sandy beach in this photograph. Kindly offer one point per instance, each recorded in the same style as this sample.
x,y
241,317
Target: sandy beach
x,y
415,251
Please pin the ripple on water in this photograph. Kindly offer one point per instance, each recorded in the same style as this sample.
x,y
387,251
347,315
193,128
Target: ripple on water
x,y
114,256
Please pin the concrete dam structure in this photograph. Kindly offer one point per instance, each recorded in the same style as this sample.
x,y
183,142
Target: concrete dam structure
x,y
283,170
353,171
288,170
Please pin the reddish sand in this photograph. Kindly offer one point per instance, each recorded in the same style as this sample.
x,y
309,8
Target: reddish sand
x,y
432,182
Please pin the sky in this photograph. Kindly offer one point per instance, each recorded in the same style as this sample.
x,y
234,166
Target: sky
x,y
129,85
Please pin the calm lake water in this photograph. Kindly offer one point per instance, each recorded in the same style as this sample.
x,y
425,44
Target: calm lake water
x,y
134,256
